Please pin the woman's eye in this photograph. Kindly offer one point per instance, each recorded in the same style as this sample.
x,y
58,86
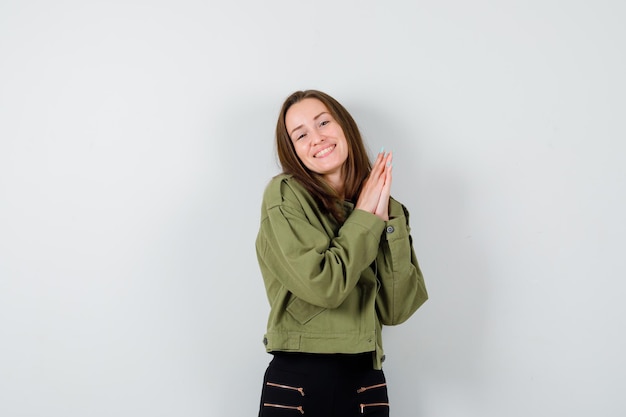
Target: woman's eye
x,y
301,136
324,123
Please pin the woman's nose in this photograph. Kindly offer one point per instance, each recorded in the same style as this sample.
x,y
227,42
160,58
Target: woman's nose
x,y
318,137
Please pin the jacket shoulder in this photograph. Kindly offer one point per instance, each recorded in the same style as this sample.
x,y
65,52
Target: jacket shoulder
x,y
282,189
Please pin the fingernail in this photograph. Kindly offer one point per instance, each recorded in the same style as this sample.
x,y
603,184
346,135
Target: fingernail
x,y
382,149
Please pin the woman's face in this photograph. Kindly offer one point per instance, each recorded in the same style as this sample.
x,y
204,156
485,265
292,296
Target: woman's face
x,y
318,139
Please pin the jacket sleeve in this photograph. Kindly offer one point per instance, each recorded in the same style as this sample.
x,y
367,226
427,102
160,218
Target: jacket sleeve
x,y
402,290
317,268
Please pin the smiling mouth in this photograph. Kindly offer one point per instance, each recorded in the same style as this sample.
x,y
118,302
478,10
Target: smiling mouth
x,y
324,152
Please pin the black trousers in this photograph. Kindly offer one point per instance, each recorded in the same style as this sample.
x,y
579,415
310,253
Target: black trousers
x,y
321,385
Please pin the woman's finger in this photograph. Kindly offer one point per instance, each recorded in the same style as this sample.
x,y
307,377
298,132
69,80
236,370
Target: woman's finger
x,y
382,208
373,186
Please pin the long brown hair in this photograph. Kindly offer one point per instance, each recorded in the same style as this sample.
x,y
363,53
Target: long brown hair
x,y
355,169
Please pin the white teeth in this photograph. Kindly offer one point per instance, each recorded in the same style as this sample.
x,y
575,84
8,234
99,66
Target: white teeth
x,y
324,151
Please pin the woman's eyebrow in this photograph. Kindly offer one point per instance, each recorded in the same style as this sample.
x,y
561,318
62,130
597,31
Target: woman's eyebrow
x,y
318,116
315,118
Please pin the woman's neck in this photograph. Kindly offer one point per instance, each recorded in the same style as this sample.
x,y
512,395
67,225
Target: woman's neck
x,y
337,183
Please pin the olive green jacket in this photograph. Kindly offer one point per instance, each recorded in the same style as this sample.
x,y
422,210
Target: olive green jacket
x,y
331,287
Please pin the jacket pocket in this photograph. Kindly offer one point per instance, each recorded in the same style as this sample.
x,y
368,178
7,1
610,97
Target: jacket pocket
x,y
302,311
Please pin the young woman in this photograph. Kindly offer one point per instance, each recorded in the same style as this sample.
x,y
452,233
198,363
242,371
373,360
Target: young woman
x,y
338,263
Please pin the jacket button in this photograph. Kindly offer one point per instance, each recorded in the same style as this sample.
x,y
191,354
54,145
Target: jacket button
x,y
390,229
265,341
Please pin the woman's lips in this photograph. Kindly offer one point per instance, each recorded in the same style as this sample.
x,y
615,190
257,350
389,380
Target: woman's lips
x,y
324,152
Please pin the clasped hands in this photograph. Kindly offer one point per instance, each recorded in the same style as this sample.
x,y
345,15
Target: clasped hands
x,y
374,196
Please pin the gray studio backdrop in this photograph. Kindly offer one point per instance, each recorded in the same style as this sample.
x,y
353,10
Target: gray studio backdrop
x,y
136,140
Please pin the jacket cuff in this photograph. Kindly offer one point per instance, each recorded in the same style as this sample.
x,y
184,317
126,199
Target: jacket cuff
x,y
369,221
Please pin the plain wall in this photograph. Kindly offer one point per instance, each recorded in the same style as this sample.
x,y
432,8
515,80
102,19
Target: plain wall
x,y
136,138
